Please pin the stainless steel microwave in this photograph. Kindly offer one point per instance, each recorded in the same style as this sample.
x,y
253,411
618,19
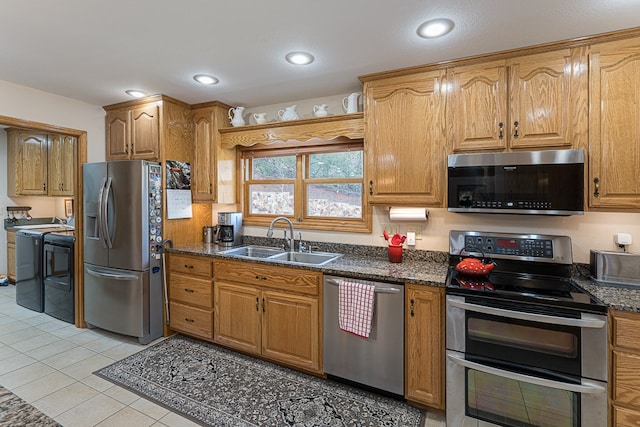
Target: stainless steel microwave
x,y
534,182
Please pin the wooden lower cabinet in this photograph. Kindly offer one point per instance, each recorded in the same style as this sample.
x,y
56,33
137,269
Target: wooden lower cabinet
x,y
11,256
425,345
191,295
625,367
270,318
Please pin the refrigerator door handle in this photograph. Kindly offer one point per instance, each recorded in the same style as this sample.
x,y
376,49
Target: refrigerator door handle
x,y
99,219
105,212
114,276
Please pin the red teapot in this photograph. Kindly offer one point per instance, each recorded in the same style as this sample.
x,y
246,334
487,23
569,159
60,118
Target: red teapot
x,y
474,267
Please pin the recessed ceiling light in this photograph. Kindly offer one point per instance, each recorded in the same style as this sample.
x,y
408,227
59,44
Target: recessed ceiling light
x,y
135,93
299,58
205,79
435,28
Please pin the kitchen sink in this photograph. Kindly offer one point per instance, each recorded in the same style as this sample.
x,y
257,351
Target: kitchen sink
x,y
309,258
253,251
276,254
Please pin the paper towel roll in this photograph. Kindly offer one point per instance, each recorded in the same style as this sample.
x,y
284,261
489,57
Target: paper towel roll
x,y
407,214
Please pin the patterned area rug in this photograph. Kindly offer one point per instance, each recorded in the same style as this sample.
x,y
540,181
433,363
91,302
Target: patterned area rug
x,y
218,387
15,412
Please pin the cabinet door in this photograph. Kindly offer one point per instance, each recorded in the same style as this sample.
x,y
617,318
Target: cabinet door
x,y
117,134
290,330
548,100
11,256
237,316
405,139
61,164
31,164
477,107
425,344
145,133
614,125
204,168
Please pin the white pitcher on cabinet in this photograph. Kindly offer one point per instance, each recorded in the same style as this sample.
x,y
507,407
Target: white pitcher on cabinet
x,y
289,113
350,103
235,116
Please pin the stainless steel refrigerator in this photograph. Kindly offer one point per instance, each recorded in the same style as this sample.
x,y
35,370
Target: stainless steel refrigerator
x,y
122,247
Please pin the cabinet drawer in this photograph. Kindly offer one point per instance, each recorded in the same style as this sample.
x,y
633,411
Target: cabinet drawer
x,y
623,417
626,331
192,265
191,320
190,290
267,276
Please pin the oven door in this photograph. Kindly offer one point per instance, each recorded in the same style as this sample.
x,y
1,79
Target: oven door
x,y
482,394
529,335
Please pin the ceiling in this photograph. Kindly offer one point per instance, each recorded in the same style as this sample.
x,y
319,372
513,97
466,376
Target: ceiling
x,y
93,50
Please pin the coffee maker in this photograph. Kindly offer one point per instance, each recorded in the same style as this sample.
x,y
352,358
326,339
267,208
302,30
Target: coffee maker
x,y
229,229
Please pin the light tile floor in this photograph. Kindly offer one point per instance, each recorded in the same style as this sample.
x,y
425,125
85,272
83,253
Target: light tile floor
x,y
49,364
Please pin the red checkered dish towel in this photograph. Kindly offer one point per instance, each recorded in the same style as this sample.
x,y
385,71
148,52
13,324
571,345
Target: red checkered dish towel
x,y
355,307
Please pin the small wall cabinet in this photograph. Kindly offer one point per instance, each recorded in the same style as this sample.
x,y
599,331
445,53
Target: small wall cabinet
x,y
39,164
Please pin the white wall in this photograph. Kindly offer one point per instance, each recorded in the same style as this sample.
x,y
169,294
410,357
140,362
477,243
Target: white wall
x,y
25,103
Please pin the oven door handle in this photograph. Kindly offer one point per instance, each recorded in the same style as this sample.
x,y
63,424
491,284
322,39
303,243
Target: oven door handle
x,y
585,388
542,318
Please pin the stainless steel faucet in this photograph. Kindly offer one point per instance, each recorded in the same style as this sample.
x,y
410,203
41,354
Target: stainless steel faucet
x,y
291,238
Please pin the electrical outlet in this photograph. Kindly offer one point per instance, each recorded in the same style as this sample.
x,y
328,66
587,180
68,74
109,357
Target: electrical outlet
x,y
416,229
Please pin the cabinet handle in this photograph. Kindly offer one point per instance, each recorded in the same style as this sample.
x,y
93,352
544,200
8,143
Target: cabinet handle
x,y
44,186
257,304
189,320
501,130
188,290
126,149
371,188
210,189
261,278
515,127
596,182
412,307
263,305
188,266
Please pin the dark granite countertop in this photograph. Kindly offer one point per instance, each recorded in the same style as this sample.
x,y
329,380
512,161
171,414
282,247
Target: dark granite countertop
x,y
420,267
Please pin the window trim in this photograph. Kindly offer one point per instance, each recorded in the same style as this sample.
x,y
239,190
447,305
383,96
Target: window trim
x,y
299,218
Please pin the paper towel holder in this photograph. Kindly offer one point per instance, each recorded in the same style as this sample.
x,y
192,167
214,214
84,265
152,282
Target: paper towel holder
x,y
408,214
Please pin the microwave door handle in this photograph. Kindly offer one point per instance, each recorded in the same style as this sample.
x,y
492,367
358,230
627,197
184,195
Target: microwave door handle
x,y
586,388
105,213
99,216
542,318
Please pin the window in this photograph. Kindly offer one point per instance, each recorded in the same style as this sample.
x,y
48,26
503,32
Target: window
x,y
318,187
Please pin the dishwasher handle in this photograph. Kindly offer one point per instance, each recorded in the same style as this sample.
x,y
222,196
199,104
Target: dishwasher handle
x,y
379,288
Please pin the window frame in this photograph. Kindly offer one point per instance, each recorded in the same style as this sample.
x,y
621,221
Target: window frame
x,y
300,216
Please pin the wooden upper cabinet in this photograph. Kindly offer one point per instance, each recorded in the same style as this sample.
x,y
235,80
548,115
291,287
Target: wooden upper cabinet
x,y
614,126
117,134
529,102
27,163
405,139
61,165
145,133
477,106
214,171
133,133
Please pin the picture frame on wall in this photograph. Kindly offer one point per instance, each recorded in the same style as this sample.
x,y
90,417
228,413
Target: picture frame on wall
x,y
68,208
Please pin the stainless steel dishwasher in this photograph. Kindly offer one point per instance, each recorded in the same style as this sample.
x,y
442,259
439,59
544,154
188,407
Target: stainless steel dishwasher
x,y
377,361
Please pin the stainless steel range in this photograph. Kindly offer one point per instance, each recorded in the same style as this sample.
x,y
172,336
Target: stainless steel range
x,y
526,346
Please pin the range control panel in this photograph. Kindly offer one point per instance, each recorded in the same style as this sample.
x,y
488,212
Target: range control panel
x,y
542,248
530,247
